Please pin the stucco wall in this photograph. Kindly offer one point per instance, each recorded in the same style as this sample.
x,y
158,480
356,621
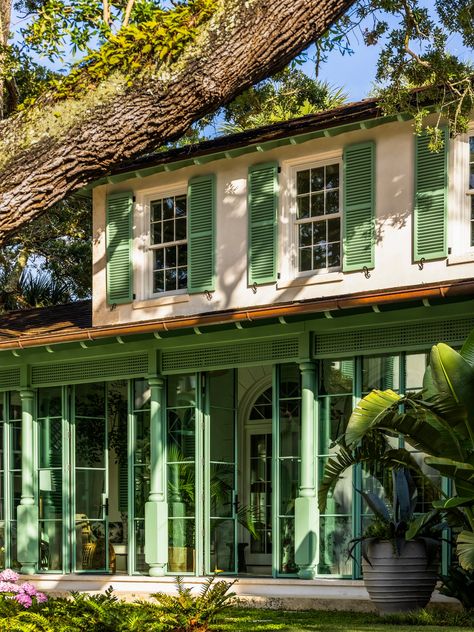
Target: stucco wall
x,y
394,266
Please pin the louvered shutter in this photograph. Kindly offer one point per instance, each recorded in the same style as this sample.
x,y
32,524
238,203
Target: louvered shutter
x,y
430,222
262,209
119,248
201,257
359,206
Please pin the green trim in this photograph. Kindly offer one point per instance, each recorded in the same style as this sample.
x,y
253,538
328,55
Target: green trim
x,y
359,206
430,202
119,237
262,203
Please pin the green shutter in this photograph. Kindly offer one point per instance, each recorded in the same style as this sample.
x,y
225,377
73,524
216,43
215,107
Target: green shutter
x,y
359,206
201,258
262,208
119,248
430,199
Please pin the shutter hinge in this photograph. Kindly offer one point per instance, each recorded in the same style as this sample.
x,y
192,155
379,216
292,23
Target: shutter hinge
x,y
279,169
134,199
134,296
450,250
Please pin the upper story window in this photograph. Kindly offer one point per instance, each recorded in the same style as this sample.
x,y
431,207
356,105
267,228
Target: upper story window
x,y
318,217
168,243
471,186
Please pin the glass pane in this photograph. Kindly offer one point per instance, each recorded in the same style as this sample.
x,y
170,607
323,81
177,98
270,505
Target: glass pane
x,y
181,435
181,390
306,259
15,565
290,428
380,372
90,400
332,202
51,545
340,498
222,489
170,257
141,395
2,545
287,542
170,280
181,550
334,229
222,546
90,494
317,204
155,211
319,258
415,365
332,176
317,179
181,489
16,445
158,282
168,231
221,388
290,380
156,234
182,255
303,207
289,485
334,414
305,234
180,205
90,442
49,402
140,565
14,411
319,232
142,437
182,278
334,255
50,442
50,494
222,435
335,376
141,489
302,182
168,208
159,256
180,229
335,534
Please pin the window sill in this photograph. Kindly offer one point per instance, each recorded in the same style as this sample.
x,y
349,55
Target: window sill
x,y
313,279
159,301
465,257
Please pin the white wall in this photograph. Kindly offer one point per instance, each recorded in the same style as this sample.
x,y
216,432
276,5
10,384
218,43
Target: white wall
x,y
394,267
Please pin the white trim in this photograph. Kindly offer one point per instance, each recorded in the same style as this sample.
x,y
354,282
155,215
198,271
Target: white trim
x,y
459,199
143,252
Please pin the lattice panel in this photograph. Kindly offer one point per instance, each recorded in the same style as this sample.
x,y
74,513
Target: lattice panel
x,y
230,355
421,334
10,378
86,371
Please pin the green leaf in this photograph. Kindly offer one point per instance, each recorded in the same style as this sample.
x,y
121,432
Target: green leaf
x,y
373,411
465,549
467,350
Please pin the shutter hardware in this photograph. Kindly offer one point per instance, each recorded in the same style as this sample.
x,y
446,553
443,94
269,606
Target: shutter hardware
x,y
421,263
366,272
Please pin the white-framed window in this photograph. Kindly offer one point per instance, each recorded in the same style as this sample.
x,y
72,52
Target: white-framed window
x,y
470,191
318,198
168,245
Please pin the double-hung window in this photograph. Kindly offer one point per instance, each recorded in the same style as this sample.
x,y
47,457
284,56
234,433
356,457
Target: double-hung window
x,y
168,243
318,217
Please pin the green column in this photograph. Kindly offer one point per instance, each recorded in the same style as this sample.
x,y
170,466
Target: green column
x,y
306,505
156,509
27,512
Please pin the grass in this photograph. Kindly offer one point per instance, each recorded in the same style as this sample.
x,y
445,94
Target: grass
x,y
252,620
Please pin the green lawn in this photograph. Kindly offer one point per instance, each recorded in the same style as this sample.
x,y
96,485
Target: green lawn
x,y
251,620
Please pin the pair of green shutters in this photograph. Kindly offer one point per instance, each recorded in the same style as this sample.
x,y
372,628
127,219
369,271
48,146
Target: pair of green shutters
x,y
263,188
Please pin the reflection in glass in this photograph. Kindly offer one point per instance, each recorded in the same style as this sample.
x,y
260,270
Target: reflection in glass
x,y
181,550
222,545
335,534
50,402
287,546
380,372
51,545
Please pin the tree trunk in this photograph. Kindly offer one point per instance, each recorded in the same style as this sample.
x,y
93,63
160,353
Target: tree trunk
x,y
48,154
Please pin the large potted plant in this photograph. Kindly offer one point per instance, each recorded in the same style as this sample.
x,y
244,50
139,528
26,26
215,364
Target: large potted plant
x,y
399,551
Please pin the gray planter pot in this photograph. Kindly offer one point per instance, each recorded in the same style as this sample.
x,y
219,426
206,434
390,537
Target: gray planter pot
x,y
399,584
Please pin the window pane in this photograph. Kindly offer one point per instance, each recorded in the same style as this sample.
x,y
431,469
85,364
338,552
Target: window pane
x,y
156,211
332,202
302,182
159,259
334,229
180,229
182,255
170,280
305,234
332,176
334,255
159,282
182,278
303,207
168,231
319,257
319,232
168,208
317,204
317,179
170,257
156,233
180,202
306,262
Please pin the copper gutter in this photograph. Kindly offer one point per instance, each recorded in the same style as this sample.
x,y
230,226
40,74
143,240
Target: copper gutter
x,y
366,299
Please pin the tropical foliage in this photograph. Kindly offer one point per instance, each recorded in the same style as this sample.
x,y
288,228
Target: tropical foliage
x,y
438,421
